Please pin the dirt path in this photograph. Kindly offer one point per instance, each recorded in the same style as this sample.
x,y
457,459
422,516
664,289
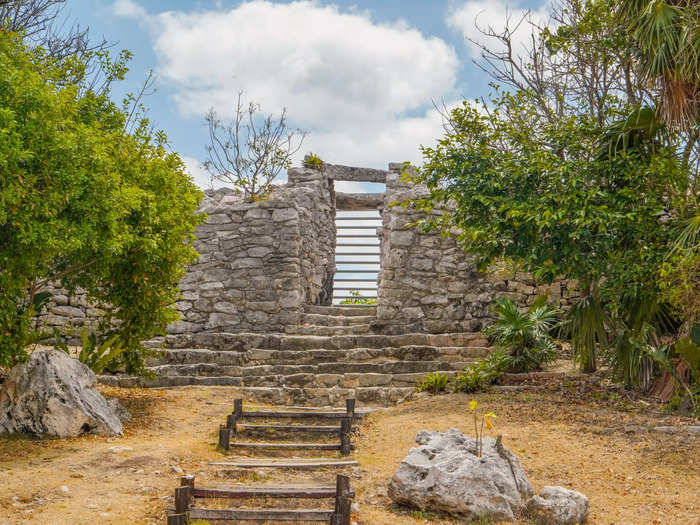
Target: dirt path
x,y
632,476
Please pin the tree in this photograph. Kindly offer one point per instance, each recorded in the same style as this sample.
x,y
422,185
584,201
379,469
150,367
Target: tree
x,y
535,177
251,151
666,41
84,203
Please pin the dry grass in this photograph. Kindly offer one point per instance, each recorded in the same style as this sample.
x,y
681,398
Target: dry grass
x,y
598,447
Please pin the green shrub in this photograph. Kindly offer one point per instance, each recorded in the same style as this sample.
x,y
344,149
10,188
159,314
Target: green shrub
x,y
358,299
482,374
525,336
433,383
313,161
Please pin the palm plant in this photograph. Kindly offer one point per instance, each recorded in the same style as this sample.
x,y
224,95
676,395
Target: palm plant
x,y
525,336
587,324
666,34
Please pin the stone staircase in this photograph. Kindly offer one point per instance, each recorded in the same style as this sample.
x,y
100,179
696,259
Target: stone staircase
x,y
331,356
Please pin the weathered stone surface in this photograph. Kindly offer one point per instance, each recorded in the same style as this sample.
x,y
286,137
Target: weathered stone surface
x,y
444,474
51,394
558,506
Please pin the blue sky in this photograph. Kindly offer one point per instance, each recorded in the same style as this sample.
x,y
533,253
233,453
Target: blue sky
x,y
358,75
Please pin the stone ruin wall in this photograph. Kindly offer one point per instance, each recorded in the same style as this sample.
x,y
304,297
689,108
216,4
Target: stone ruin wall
x,y
260,263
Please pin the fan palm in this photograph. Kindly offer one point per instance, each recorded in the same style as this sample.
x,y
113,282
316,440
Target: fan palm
x,y
526,336
667,40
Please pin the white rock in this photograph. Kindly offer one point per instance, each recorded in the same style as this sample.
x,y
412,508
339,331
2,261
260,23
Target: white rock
x,y
65,489
558,506
444,474
51,394
176,469
120,449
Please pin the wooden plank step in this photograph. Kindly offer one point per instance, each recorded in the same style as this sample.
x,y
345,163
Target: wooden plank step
x,y
291,428
274,515
292,446
282,413
286,463
252,491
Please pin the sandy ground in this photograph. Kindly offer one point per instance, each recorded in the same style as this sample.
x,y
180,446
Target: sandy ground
x,y
601,447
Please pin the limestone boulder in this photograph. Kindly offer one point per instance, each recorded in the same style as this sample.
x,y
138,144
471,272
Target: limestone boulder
x,y
444,474
558,506
52,394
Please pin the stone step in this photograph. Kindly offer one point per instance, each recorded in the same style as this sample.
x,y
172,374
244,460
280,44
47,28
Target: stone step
x,y
327,330
337,320
301,380
246,341
335,369
260,356
342,310
325,396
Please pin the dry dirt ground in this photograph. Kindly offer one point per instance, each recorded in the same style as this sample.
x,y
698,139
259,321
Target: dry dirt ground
x,y
588,442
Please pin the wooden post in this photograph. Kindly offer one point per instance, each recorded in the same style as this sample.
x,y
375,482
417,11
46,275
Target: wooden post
x,y
224,438
182,500
345,428
177,519
187,481
231,423
341,515
350,407
238,408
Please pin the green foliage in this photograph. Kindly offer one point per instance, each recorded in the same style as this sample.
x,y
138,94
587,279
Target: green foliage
x,y
525,336
86,204
433,383
313,161
98,355
482,374
358,299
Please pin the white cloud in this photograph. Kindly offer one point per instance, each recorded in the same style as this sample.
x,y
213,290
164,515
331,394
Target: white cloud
x,y
469,17
201,177
348,80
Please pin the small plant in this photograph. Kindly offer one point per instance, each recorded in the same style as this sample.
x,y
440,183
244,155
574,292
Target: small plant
x,y
433,383
482,374
358,299
525,336
96,355
486,420
313,161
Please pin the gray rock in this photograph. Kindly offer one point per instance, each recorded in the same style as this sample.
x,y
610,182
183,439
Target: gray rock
x,y
52,394
558,506
444,474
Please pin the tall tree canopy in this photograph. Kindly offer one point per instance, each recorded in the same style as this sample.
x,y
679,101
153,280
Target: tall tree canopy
x,y
84,203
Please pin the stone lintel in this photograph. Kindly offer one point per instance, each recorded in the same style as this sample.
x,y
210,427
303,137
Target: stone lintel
x,y
351,173
359,201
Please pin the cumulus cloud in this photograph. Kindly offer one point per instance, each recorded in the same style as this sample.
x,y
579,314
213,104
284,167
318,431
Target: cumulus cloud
x,y
472,17
362,89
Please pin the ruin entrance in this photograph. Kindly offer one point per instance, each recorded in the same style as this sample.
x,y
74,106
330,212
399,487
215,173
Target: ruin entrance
x,y
358,222
357,257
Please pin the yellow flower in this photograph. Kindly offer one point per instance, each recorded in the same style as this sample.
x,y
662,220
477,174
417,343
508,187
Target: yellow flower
x,y
487,420
472,405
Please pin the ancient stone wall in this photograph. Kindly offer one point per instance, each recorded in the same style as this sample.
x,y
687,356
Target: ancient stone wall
x,y
261,262
428,284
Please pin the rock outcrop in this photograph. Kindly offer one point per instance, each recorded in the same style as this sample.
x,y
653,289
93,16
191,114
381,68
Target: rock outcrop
x,y
558,506
51,394
445,474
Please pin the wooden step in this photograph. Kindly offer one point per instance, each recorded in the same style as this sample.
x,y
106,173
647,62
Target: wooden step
x,y
301,463
306,414
253,491
291,428
288,446
273,515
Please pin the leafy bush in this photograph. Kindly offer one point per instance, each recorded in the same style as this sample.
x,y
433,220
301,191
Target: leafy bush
x,y
91,199
482,374
433,383
526,337
313,161
358,299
